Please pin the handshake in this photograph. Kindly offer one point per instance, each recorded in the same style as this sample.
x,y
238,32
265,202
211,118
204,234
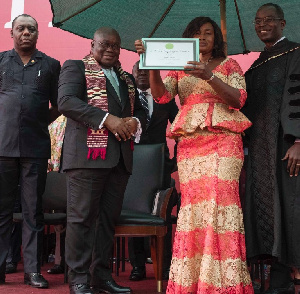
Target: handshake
x,y
122,128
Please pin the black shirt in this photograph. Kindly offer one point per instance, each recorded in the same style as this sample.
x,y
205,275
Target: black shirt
x,y
25,92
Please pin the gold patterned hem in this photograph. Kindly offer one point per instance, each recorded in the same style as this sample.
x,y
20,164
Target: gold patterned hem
x,y
220,274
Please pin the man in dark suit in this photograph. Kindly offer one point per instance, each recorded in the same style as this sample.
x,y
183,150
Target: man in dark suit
x,y
158,116
103,113
28,81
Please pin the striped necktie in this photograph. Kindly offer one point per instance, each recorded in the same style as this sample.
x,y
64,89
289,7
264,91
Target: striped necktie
x,y
144,101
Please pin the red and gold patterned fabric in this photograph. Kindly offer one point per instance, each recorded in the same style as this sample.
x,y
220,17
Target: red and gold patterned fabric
x,y
57,134
201,106
209,247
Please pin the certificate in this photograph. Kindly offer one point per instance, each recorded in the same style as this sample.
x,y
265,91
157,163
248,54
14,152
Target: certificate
x,y
168,53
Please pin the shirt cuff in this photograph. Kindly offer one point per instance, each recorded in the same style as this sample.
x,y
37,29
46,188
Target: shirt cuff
x,y
138,133
103,120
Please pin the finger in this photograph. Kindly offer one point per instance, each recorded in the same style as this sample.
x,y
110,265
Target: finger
x,y
131,127
188,71
292,168
127,132
139,46
134,127
117,136
192,62
289,164
297,169
189,68
127,126
124,133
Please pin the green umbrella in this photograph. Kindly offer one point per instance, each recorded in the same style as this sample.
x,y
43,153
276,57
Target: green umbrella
x,y
136,19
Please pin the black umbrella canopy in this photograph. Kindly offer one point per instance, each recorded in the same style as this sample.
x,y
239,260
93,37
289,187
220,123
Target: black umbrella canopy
x,y
136,19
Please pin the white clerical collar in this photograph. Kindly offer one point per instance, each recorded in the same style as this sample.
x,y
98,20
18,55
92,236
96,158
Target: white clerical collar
x,y
282,38
148,91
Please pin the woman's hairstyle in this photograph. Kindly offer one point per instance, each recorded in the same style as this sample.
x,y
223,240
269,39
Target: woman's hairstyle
x,y
194,26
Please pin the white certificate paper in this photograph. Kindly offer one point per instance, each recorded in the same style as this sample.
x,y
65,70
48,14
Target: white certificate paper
x,y
169,53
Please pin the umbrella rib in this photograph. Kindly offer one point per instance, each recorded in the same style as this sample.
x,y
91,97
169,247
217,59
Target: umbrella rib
x,y
241,27
162,18
58,24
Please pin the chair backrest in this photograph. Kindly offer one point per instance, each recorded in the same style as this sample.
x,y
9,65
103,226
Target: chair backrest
x,y
55,195
147,177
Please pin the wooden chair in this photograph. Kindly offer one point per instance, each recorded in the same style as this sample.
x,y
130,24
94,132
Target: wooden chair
x,y
145,210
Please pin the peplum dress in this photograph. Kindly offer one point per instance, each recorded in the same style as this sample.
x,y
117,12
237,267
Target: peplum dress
x,y
209,253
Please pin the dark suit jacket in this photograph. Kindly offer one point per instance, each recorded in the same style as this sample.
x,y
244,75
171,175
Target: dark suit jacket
x,y
156,131
72,102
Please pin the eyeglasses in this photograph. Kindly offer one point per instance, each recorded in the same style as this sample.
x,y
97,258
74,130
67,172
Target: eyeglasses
x,y
265,20
106,45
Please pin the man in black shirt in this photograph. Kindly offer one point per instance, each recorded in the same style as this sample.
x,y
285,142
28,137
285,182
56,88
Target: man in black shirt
x,y
28,81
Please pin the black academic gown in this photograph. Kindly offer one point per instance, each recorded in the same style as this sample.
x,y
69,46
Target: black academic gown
x,y
272,198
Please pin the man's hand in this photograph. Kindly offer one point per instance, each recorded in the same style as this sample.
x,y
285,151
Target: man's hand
x,y
139,46
293,156
132,124
53,114
118,127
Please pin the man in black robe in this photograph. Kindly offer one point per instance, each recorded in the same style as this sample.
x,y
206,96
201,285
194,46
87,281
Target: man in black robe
x,y
272,200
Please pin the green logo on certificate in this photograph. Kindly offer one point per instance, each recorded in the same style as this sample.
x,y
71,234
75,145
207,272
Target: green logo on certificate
x,y
169,46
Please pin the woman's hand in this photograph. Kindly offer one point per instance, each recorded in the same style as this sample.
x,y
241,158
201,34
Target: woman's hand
x,y
156,84
198,70
229,95
139,46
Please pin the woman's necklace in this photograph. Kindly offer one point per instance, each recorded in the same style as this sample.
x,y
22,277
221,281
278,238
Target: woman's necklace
x,y
207,61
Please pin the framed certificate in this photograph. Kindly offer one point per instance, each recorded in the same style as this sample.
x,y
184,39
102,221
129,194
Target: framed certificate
x,y
168,53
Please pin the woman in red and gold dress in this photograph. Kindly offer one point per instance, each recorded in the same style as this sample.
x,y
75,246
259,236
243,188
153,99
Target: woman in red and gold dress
x,y
209,247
